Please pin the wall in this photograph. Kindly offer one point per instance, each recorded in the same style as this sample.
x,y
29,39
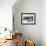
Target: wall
x,y
43,22
6,13
32,32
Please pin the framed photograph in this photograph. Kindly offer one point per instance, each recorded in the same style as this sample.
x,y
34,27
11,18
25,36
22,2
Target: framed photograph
x,y
28,18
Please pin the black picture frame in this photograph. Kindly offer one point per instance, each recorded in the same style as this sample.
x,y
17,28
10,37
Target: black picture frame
x,y
28,18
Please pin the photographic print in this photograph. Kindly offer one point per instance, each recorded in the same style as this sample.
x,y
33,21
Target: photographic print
x,y
28,18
